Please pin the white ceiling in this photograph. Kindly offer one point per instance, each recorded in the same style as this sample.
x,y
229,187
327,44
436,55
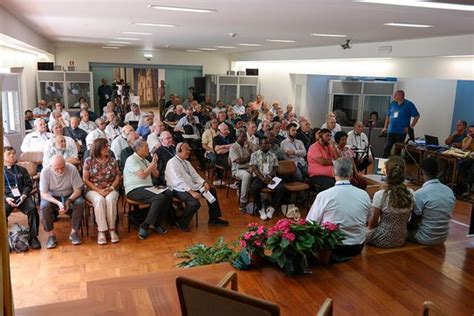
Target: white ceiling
x,y
95,22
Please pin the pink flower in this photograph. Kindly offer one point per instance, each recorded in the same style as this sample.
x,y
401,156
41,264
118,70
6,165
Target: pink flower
x,y
260,230
253,233
289,236
301,222
247,236
330,226
243,244
258,243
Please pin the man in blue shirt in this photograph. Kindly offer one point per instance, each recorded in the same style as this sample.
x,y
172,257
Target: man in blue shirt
x,y
398,119
434,206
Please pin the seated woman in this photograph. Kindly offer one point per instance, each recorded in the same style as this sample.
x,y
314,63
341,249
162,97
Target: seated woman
x,y
345,152
391,209
101,175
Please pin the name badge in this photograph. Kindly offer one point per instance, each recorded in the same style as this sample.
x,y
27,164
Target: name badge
x,y
266,168
16,193
79,142
395,115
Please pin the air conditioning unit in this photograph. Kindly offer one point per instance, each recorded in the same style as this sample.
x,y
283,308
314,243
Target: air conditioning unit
x,y
71,68
240,73
230,73
58,68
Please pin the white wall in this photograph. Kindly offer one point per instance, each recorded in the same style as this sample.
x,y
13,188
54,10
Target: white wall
x,y
212,63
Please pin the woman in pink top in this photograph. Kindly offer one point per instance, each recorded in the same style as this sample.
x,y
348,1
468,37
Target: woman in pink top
x,y
347,153
320,157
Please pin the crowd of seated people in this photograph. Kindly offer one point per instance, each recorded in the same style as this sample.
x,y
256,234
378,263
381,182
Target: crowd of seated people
x,y
143,152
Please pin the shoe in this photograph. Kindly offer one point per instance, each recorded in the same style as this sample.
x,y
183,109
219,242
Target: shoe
x,y
270,211
263,214
34,243
101,239
75,239
243,207
114,238
218,222
143,233
217,183
233,186
182,228
161,230
52,242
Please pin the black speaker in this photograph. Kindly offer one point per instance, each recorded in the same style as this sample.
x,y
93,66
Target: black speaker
x,y
45,66
251,72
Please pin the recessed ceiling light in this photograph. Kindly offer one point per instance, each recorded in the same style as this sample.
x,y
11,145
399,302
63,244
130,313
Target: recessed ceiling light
x,y
148,55
280,41
408,25
118,45
127,38
111,47
118,42
208,48
248,44
152,24
225,47
194,51
423,4
327,35
459,56
195,10
137,33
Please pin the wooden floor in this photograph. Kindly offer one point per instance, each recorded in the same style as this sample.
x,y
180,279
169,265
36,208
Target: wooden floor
x,y
380,281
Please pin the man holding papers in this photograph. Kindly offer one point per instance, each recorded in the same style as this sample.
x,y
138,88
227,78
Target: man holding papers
x,y
264,165
187,185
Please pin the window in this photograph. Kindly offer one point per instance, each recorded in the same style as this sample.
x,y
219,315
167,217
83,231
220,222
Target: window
x,y
378,104
11,112
345,107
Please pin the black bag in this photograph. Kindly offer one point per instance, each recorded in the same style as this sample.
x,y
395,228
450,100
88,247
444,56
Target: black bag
x,y
18,238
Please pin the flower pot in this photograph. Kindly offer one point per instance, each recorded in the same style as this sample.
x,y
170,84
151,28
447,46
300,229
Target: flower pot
x,y
256,260
323,256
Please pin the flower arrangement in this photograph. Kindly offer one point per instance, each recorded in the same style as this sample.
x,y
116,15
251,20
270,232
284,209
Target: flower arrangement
x,y
254,238
331,236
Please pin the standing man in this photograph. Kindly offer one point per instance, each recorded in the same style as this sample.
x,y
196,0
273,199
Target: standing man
x,y
105,93
162,95
398,119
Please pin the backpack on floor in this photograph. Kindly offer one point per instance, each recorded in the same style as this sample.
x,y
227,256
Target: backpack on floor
x,y
18,237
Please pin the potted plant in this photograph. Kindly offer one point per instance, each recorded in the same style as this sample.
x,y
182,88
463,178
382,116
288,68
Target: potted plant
x,y
329,236
200,254
290,242
253,241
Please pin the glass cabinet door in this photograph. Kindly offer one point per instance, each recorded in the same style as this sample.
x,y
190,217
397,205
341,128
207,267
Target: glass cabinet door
x,y
345,107
52,90
227,93
75,90
248,93
375,104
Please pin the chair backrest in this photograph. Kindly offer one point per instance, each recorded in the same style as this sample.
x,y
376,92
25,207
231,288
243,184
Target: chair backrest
x,y
286,168
326,308
33,156
30,166
201,299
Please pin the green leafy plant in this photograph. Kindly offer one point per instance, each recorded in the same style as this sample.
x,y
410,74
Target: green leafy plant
x,y
330,236
200,254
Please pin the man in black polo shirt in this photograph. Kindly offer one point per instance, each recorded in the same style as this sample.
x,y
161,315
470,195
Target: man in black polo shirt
x,y
222,143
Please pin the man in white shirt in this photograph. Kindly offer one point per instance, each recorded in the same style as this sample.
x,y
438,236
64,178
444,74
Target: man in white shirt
x,y
59,107
99,132
252,139
187,186
57,118
346,206
60,148
41,111
239,107
135,115
85,124
358,142
331,124
36,140
153,139
120,142
70,143
293,149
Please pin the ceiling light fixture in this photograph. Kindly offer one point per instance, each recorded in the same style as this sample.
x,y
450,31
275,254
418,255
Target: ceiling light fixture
x,y
111,47
459,56
118,42
148,55
137,33
194,51
195,10
327,35
423,4
248,44
152,24
280,41
408,25
210,49
225,47
127,38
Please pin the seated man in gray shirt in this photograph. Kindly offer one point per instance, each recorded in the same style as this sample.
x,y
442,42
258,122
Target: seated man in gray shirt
x,y
61,187
435,201
239,156
293,149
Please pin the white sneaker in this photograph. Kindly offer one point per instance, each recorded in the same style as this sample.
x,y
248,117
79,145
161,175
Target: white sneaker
x,y
233,186
263,215
114,238
101,239
270,211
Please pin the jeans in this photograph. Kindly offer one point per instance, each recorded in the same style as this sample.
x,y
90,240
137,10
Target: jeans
x,y
390,141
193,205
278,193
323,182
159,205
28,208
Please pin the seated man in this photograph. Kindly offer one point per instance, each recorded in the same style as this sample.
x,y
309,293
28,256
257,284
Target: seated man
x,y
294,150
265,127
113,128
346,152
18,187
120,142
434,205
466,165
206,141
136,179
99,132
239,156
144,128
331,123
222,143
187,186
60,148
77,134
165,152
251,137
61,188
29,120
359,143
134,116
279,134
41,111
56,118
153,140
86,124
346,206
71,146
190,131
320,161
456,138
127,151
174,116
304,133
264,165
36,141
85,108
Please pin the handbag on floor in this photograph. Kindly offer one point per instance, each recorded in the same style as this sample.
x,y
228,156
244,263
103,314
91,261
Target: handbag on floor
x,y
291,211
18,237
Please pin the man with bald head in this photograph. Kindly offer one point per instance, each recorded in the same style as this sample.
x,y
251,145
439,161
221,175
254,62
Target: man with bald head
x,y
77,134
120,142
153,139
132,137
222,143
99,132
36,140
61,188
60,148
358,141
41,111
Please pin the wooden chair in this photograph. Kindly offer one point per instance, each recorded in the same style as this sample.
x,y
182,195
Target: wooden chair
x,y
132,203
429,308
89,208
287,168
31,167
221,301
33,156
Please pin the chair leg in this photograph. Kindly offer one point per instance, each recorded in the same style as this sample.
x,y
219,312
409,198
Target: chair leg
x,y
128,216
197,218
